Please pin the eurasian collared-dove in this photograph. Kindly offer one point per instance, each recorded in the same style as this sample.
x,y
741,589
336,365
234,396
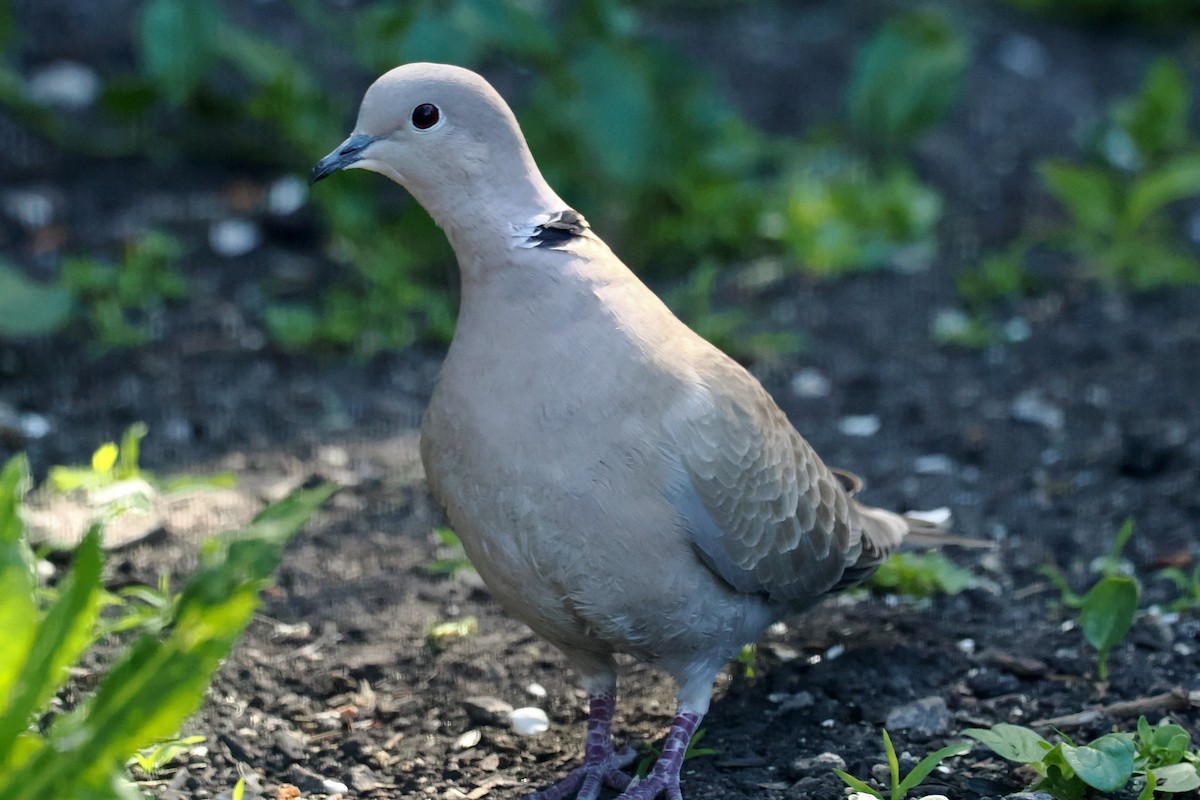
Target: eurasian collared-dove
x,y
620,484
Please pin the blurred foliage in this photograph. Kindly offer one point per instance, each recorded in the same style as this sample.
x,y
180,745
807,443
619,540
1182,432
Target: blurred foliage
x,y
151,686
1163,13
629,132
1120,202
853,203
121,303
1141,160
920,575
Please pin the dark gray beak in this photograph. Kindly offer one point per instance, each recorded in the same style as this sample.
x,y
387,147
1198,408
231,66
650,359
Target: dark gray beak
x,y
347,153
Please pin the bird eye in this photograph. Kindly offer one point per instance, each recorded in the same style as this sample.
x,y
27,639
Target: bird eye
x,y
425,116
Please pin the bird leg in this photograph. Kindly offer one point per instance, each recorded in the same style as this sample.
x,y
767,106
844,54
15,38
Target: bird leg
x,y
664,778
601,764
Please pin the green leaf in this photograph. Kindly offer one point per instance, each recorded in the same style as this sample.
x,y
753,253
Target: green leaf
x,y
178,43
1013,742
929,763
157,683
28,308
1177,179
1157,117
1089,194
1107,614
18,612
1105,764
1175,778
857,785
906,78
63,635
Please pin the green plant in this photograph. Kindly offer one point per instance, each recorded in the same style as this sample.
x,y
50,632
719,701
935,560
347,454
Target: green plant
x,y
654,751
152,686
442,632
157,756
1187,585
905,79
1068,771
28,308
120,301
900,787
748,657
1108,609
114,468
1144,159
454,561
920,575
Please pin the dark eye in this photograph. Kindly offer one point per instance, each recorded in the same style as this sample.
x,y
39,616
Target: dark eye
x,y
425,116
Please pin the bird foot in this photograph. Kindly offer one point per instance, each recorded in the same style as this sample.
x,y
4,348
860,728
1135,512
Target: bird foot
x,y
589,777
663,780
653,786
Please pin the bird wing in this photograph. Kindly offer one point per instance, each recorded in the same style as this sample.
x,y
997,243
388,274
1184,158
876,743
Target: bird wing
x,y
764,511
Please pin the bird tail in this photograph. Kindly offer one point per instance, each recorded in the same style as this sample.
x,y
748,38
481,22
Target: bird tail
x,y
883,532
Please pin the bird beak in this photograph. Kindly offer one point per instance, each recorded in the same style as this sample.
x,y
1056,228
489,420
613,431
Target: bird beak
x,y
344,156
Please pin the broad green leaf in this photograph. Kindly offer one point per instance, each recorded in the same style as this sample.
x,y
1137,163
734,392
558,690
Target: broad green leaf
x,y
1089,194
1108,611
1013,742
63,634
18,611
1105,764
1177,179
177,41
1176,778
906,78
929,763
28,308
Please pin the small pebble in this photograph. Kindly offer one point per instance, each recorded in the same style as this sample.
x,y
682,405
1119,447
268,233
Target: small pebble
x,y
64,84
1032,407
233,237
529,721
933,464
1023,55
859,425
536,690
810,383
286,195
928,716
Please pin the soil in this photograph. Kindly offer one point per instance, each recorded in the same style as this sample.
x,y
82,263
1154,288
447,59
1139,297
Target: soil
x,y
1045,446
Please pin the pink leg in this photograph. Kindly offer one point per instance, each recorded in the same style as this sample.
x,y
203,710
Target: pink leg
x,y
664,778
601,765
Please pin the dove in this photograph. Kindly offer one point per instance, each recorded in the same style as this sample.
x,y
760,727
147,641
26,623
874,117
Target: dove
x,y
621,485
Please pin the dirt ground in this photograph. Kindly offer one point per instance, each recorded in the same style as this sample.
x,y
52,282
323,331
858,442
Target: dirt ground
x,y
1045,446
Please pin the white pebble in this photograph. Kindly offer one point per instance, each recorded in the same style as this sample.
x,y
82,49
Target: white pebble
x,y
536,690
330,786
35,426
933,464
64,84
529,721
934,516
233,237
32,208
1032,407
286,195
859,425
1024,56
810,382
835,652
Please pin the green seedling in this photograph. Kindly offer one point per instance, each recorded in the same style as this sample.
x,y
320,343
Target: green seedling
x,y
747,657
239,790
151,686
694,750
1158,754
454,561
1188,586
900,787
159,755
920,575
441,633
1106,615
1108,609
116,480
